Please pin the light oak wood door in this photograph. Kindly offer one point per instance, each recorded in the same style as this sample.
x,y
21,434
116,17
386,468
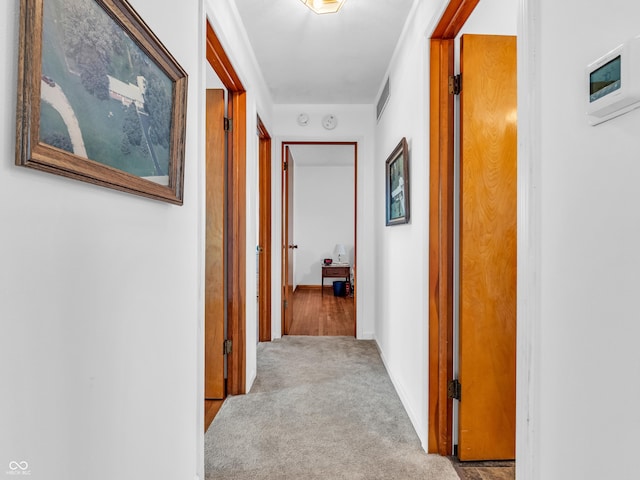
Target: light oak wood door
x,y
214,320
488,248
288,246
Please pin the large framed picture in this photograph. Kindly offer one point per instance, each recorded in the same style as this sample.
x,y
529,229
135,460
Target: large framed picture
x,y
397,185
100,99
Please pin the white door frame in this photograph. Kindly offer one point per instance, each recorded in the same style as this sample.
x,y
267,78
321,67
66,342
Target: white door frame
x,y
529,235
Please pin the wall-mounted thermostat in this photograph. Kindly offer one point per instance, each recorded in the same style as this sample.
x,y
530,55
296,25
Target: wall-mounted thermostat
x,y
613,82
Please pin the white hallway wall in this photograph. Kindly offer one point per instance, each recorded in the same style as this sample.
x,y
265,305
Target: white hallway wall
x,y
322,219
588,235
100,302
401,252
101,292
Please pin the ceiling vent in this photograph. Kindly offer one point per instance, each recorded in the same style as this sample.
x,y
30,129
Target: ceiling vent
x,y
383,100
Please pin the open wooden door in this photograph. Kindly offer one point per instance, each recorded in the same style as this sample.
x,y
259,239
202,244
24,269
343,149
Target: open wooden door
x,y
234,282
288,246
488,106
215,251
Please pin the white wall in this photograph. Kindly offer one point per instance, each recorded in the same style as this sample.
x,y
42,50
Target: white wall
x,y
587,362
401,252
355,124
100,302
101,292
322,219
492,17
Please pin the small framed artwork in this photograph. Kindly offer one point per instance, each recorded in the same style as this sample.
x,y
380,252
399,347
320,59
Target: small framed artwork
x,y
397,185
100,99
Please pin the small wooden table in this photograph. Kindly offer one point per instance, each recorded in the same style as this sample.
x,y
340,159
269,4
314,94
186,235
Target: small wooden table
x,y
335,271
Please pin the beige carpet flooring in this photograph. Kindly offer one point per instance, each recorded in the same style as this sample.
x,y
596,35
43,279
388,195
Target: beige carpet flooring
x,y
321,408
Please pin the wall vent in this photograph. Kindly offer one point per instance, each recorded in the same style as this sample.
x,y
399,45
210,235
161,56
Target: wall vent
x,y
383,100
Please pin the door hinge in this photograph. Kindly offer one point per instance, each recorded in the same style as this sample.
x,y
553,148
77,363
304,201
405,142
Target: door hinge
x,y
285,166
227,347
228,124
454,390
455,84
286,304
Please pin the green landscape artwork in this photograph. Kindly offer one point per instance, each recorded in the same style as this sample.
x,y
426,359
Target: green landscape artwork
x,y
397,188
102,97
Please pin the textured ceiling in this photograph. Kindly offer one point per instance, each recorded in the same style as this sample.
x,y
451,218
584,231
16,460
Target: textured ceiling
x,y
324,59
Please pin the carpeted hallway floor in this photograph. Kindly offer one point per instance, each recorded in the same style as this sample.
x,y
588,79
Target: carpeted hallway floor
x,y
321,408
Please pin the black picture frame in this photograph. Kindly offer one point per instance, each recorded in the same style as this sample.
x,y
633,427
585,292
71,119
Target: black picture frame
x,y
397,185
100,99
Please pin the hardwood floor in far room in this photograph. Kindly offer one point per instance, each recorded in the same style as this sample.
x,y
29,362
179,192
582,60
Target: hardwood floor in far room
x,y
322,315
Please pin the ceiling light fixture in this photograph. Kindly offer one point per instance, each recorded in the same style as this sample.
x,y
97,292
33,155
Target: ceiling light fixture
x,y
324,6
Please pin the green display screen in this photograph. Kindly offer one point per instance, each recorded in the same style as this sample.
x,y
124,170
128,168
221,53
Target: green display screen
x,y
606,79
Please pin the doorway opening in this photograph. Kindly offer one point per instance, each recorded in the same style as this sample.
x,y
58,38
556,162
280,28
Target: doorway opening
x,y
454,292
225,233
319,225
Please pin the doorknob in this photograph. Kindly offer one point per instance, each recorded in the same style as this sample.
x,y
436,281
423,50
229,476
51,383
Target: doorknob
x,y
293,246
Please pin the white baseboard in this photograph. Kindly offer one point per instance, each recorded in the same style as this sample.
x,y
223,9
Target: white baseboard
x,y
419,429
252,378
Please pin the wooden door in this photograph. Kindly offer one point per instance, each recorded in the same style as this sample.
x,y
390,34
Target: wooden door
x,y
215,235
488,248
288,246
264,241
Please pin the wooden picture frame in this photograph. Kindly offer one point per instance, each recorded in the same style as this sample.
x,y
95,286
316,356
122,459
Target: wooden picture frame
x,y
100,99
397,185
